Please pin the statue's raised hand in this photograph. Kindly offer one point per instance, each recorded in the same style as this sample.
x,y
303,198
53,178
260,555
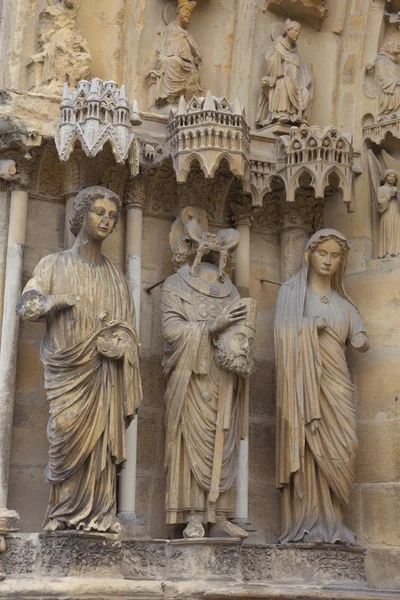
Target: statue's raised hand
x,y
227,317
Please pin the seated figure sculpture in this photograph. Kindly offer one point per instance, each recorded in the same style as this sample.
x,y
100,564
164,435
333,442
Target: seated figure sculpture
x,y
288,86
91,367
316,416
179,60
64,55
208,332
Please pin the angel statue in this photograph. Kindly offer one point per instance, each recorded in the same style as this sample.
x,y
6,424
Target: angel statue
x,y
177,71
208,332
288,86
387,201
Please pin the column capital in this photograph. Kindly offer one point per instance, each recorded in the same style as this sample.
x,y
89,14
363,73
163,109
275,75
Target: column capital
x,y
136,193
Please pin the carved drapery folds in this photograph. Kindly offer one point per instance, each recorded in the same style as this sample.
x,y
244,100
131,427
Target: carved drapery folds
x,y
177,70
64,55
209,130
320,153
95,113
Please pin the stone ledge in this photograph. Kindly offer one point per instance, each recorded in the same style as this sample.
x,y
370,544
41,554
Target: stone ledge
x,y
211,559
109,589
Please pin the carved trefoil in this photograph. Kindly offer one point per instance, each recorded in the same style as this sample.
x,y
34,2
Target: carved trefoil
x,y
95,113
209,130
320,153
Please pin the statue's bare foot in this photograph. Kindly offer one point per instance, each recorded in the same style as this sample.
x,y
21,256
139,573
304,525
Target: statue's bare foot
x,y
116,528
225,528
284,118
2,575
194,528
315,538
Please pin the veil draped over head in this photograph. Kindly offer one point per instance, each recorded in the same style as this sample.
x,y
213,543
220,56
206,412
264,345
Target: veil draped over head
x,y
297,365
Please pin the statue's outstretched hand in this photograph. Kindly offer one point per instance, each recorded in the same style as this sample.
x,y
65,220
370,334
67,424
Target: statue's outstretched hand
x,y
227,318
360,342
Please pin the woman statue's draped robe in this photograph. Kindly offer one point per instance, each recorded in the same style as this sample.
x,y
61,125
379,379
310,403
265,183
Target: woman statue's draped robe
x,y
177,72
388,205
288,86
387,76
206,406
92,380
316,416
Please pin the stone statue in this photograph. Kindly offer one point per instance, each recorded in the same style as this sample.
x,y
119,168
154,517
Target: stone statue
x,y
179,60
316,416
287,87
64,55
90,359
387,200
208,332
387,79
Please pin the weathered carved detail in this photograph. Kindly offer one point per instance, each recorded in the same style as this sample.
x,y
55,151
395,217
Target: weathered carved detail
x,y
49,177
61,557
64,53
208,130
314,8
306,210
211,194
19,558
136,192
145,560
163,190
261,172
224,560
257,563
95,113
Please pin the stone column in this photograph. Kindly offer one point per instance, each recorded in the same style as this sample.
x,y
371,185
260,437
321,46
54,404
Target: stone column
x,y
69,238
243,220
134,527
9,519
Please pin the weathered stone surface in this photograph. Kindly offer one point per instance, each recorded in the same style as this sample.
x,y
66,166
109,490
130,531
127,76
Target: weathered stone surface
x,y
204,559
76,555
20,555
257,563
145,560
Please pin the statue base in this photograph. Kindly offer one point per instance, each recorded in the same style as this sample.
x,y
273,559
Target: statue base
x,y
135,527
195,561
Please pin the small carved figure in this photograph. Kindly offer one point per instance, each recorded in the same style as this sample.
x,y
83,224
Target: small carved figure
x,y
177,71
208,332
90,359
387,200
316,416
287,87
64,55
387,80
223,242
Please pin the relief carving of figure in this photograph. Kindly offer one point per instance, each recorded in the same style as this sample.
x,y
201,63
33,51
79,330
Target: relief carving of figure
x,y
208,332
91,367
387,79
288,86
179,59
387,200
64,55
316,415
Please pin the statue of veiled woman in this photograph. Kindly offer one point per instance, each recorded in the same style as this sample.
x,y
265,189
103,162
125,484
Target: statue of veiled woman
x,y
91,367
288,86
316,416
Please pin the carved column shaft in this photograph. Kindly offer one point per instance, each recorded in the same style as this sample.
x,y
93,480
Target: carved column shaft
x,y
9,520
133,264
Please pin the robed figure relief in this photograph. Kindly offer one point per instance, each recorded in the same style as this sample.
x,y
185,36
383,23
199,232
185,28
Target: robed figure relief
x,y
64,55
179,59
91,367
385,194
208,333
316,416
387,79
288,86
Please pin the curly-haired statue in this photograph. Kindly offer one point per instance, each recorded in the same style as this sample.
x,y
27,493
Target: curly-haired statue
x,y
316,416
91,366
208,332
